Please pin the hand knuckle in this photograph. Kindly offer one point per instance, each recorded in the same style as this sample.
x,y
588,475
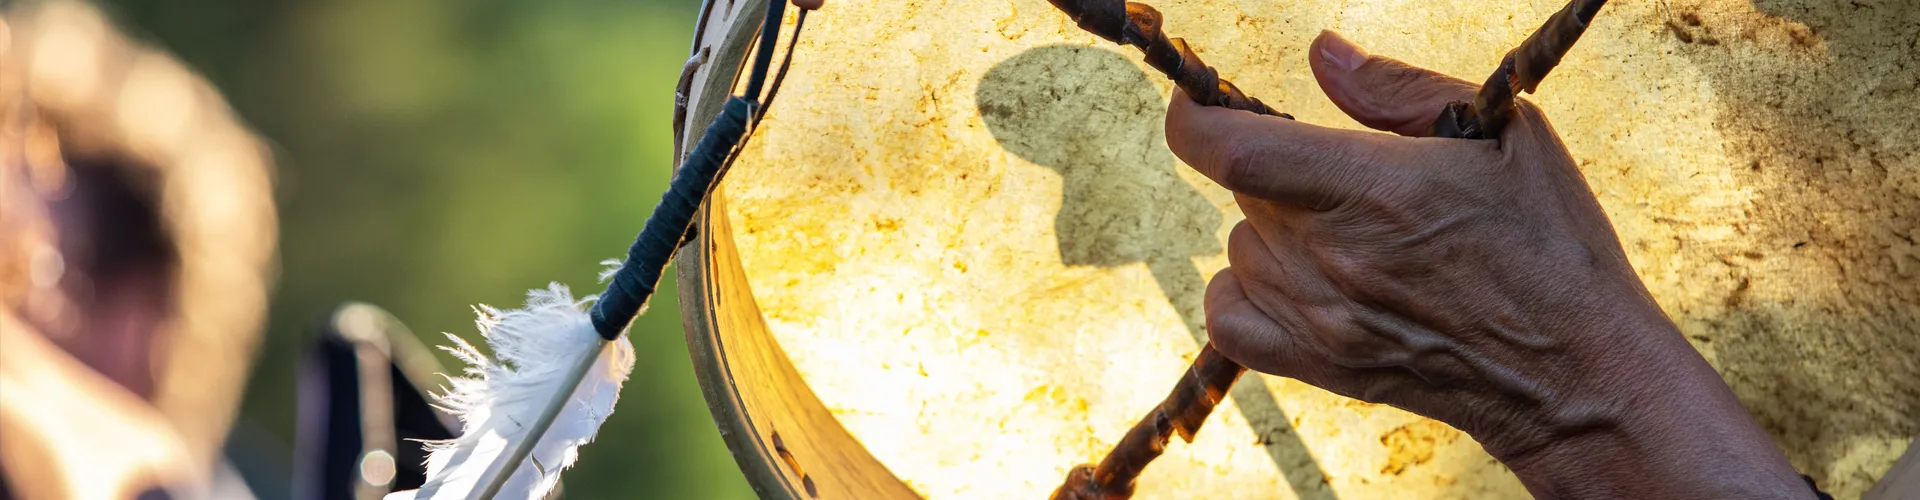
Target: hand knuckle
x,y
1241,240
1528,109
1348,353
1229,333
1242,164
1370,182
1378,193
1358,275
1345,345
1405,194
1247,338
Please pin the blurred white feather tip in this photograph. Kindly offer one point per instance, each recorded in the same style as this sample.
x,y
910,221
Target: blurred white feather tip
x,y
534,348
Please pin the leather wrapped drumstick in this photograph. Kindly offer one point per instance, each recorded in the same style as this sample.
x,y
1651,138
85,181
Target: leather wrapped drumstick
x,y
1521,70
1136,24
1193,398
1207,381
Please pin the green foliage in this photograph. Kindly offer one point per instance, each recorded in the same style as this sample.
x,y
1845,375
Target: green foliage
x,y
439,153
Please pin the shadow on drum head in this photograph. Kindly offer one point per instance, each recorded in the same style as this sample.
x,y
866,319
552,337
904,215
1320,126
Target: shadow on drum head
x,y
1091,115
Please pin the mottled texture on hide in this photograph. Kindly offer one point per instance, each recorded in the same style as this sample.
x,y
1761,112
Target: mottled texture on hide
x,y
965,227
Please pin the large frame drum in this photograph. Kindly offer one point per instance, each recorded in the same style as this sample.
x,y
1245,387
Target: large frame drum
x,y
957,258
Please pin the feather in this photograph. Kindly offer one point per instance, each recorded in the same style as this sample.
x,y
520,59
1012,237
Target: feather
x,y
497,400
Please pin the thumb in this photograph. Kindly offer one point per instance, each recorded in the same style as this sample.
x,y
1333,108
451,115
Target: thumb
x,y
1379,92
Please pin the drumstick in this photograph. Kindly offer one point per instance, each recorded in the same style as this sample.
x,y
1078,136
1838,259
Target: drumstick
x,y
1136,24
1193,398
1521,70
1211,375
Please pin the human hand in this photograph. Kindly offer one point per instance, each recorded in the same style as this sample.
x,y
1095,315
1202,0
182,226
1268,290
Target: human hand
x,y
1475,282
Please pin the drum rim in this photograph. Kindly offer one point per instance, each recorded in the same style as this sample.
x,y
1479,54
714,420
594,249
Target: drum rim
x,y
766,470
697,301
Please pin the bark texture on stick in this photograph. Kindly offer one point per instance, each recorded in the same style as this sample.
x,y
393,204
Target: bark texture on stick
x,y
1521,70
1136,24
1207,381
1182,412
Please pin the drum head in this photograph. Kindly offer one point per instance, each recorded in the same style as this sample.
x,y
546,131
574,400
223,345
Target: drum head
x,y
960,236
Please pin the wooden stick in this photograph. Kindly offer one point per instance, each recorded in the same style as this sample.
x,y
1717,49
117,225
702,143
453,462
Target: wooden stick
x,y
1182,412
1520,70
1136,24
1207,381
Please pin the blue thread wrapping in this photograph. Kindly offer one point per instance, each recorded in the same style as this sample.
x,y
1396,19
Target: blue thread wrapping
x,y
634,283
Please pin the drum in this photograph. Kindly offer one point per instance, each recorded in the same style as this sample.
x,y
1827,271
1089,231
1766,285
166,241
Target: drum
x,y
957,258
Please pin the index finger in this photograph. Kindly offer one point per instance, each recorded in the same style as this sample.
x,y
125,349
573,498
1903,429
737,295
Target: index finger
x,y
1279,159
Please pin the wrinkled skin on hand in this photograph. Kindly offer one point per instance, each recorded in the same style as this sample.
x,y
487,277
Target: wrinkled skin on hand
x,y
1478,283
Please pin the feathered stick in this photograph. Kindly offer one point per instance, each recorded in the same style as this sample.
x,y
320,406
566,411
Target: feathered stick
x,y
539,349
514,442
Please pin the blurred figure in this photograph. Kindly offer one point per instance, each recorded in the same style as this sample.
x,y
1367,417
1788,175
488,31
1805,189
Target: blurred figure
x,y
364,409
136,243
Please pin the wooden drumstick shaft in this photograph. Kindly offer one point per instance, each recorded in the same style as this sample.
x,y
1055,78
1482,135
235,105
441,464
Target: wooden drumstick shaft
x,y
1520,70
1203,386
1207,381
1136,24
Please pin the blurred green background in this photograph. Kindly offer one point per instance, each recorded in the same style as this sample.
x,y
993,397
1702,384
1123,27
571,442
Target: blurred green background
x,y
434,154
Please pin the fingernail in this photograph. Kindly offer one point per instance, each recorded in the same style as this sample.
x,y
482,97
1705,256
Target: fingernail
x,y
1343,54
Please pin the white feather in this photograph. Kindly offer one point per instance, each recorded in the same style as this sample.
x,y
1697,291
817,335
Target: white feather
x,y
534,348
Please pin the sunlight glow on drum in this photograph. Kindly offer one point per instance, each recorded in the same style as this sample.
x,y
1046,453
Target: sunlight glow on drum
x,y
963,225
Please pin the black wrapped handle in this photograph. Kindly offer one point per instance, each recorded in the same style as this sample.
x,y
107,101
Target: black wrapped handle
x,y
630,288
